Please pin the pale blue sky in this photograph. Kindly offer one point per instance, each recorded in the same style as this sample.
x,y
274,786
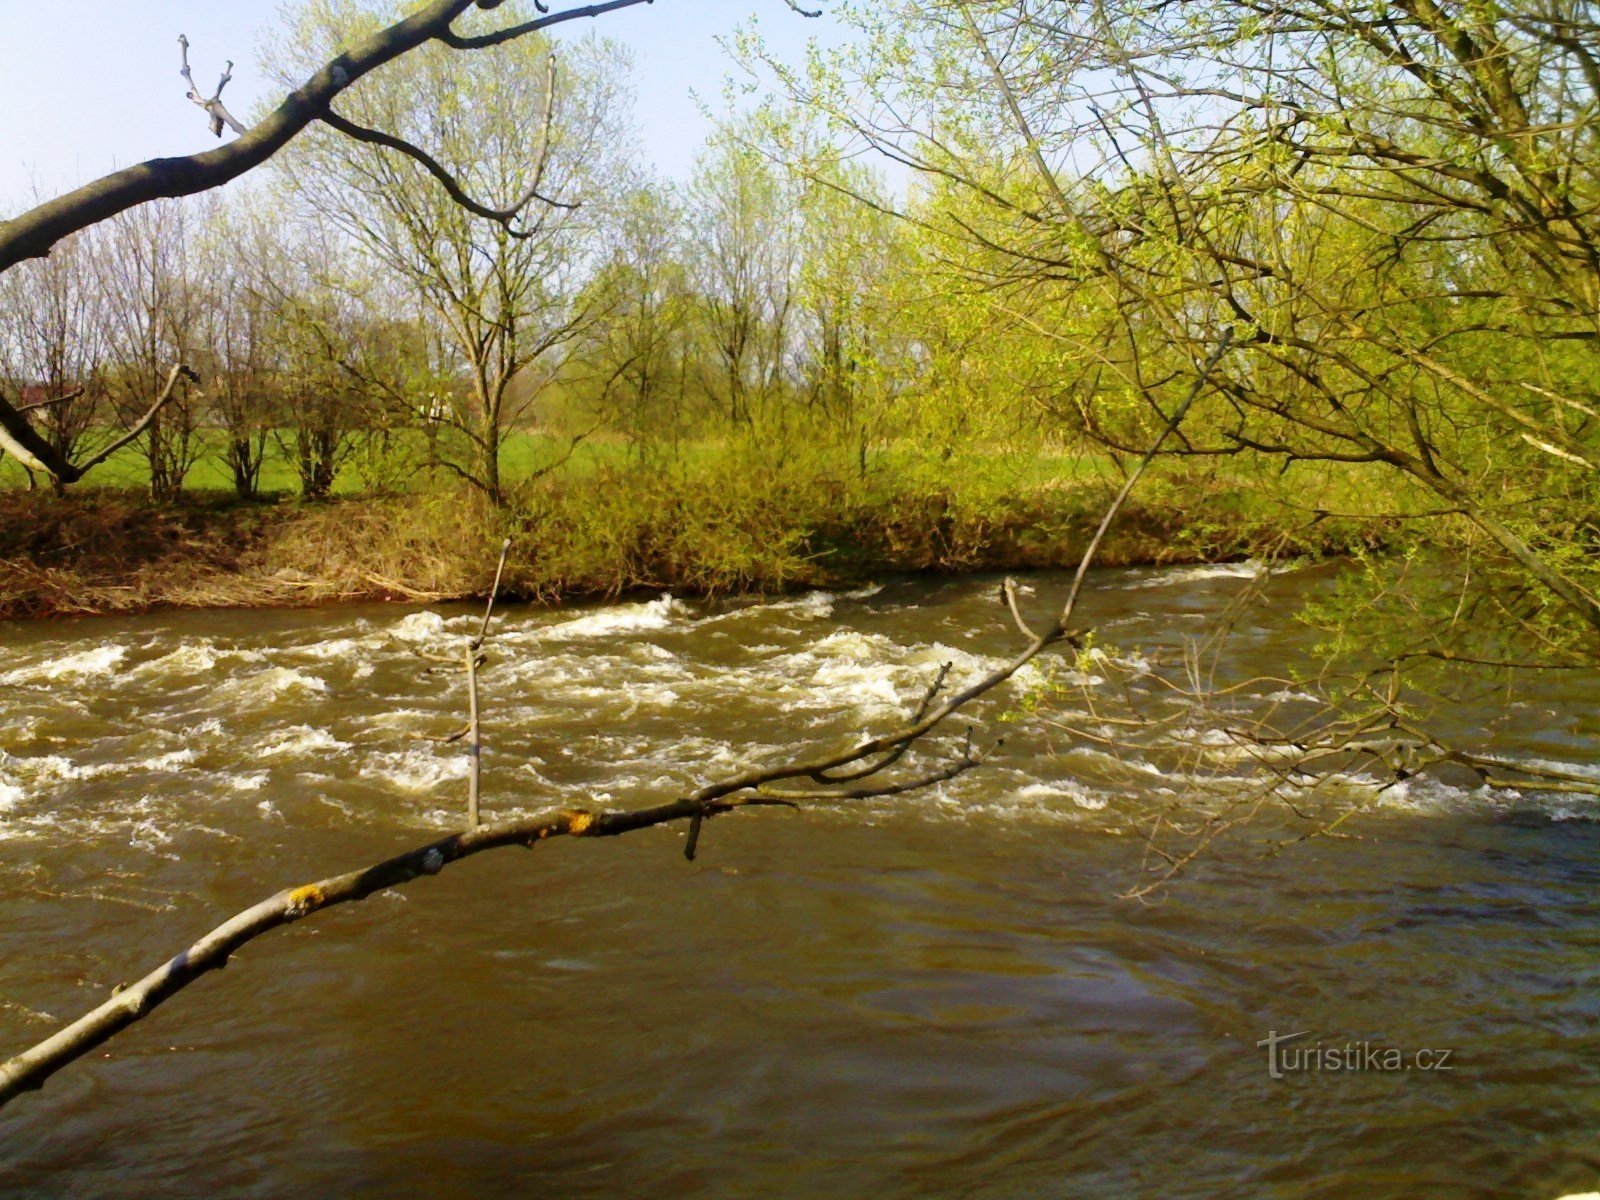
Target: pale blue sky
x,y
87,86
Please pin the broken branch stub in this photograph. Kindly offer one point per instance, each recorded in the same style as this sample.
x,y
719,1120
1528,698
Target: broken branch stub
x,y
212,104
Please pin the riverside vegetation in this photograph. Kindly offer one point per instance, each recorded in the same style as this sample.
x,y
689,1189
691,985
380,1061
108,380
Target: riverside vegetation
x,y
723,523
791,369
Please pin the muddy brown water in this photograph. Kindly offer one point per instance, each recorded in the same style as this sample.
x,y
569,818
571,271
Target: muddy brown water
x,y
939,994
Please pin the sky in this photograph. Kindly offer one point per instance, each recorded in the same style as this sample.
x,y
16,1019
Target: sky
x,y
88,86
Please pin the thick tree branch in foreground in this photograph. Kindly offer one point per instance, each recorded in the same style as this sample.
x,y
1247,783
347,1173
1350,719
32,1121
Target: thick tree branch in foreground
x,y
33,233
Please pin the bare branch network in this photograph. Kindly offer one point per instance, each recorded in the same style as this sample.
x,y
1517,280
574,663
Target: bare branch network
x,y
35,232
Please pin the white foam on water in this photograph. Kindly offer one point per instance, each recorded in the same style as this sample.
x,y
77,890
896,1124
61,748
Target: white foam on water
x,y
419,769
44,769
1585,771
344,647
166,762
813,604
624,618
17,730
646,695
844,670
1061,789
1559,811
1420,794
250,781
1213,738
846,681
650,652
151,836
94,663
190,659
1130,661
403,721
300,741
1172,576
1290,696
416,627
705,756
272,684
1121,761
962,662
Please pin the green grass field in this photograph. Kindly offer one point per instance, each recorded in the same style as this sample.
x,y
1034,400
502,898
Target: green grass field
x,y
522,454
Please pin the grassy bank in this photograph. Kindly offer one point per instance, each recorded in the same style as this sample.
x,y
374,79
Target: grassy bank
x,y
716,524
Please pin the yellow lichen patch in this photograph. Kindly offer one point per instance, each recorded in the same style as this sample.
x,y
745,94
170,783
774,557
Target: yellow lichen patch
x,y
306,898
578,822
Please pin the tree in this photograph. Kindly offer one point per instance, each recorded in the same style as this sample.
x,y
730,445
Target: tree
x,y
148,262
744,257
1392,206
506,299
235,333
52,346
633,364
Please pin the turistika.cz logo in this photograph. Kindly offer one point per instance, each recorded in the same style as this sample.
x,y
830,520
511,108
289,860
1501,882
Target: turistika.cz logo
x,y
1287,1055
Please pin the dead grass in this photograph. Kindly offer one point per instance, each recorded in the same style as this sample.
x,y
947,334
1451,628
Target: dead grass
x,y
705,531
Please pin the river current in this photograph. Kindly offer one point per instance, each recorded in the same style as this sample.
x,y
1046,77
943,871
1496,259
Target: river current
x,y
945,994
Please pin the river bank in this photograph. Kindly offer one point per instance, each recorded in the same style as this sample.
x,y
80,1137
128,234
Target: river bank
x,y
103,551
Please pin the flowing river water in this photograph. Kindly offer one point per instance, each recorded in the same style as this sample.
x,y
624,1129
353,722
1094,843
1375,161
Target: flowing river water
x,y
937,994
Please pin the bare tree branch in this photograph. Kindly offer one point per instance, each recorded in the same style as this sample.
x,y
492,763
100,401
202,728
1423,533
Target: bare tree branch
x,y
63,399
474,659
213,105
30,449
452,186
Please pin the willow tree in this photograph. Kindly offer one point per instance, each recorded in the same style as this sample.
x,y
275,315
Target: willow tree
x,y
507,297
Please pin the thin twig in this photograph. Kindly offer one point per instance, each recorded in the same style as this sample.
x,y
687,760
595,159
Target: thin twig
x,y
474,660
494,590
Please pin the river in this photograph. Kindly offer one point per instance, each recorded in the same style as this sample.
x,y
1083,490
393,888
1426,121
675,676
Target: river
x,y
942,994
